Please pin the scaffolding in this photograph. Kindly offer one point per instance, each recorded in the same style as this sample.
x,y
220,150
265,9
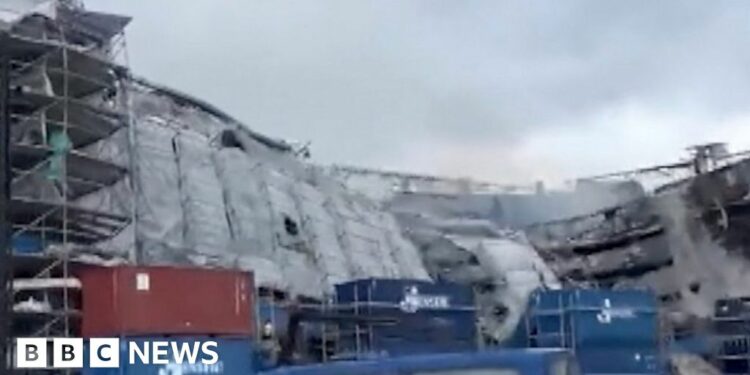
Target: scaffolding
x,y
731,323
65,94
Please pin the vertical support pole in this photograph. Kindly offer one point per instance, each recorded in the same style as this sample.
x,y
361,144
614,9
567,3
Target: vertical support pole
x,y
6,268
369,324
136,254
356,323
66,125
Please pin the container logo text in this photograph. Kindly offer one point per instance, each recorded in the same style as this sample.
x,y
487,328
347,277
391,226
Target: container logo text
x,y
413,301
608,313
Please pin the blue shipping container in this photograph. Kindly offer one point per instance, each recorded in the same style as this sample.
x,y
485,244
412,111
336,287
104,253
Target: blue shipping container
x,y
399,346
619,361
640,300
703,345
27,243
613,332
461,323
235,357
734,346
593,318
398,332
400,291
521,362
422,316
274,313
394,346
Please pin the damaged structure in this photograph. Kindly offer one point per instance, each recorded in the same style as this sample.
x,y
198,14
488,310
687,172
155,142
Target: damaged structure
x,y
684,239
108,168
243,200
112,168
61,108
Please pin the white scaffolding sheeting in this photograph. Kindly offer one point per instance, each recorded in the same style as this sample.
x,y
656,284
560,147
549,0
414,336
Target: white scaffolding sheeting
x,y
11,11
242,195
267,272
369,258
321,229
304,277
160,228
229,200
202,198
113,149
404,252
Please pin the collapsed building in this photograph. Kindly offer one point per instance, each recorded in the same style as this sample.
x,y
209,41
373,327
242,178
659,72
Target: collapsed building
x,y
187,183
480,233
685,240
154,176
112,168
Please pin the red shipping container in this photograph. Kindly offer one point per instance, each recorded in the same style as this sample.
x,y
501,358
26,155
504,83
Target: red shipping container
x,y
127,300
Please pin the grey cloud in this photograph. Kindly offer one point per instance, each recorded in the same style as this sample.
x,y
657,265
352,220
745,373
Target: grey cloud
x,y
363,80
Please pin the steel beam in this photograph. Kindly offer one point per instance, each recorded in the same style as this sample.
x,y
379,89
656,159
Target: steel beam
x,y
6,269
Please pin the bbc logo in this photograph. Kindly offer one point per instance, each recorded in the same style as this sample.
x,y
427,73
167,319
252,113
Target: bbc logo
x,y
66,353
32,353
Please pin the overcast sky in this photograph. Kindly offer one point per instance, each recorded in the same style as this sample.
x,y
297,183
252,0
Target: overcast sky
x,y
511,91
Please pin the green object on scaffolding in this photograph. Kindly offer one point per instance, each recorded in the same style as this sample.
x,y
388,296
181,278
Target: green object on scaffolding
x,y
60,144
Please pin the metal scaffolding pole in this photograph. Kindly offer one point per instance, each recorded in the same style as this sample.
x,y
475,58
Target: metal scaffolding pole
x,y
6,269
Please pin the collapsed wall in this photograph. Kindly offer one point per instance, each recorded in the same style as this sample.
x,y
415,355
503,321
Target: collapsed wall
x,y
500,264
208,192
687,243
508,206
476,233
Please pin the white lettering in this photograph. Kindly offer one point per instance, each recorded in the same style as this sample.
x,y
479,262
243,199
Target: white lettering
x,y
197,368
209,352
67,353
414,302
104,352
622,313
199,357
31,352
160,354
607,314
134,350
185,350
